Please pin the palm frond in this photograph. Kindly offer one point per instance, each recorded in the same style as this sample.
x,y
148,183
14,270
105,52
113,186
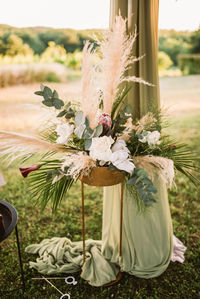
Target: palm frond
x,y
185,160
42,187
119,100
188,174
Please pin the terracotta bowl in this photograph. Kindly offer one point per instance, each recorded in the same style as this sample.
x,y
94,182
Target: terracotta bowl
x,y
101,176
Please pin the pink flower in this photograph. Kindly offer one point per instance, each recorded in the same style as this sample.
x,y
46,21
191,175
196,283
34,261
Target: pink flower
x,y
105,120
25,171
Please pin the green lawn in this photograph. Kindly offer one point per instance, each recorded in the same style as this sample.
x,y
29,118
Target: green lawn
x,y
178,281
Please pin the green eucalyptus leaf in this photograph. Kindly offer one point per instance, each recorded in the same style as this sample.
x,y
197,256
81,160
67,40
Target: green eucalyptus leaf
x,y
41,87
47,93
144,185
88,133
55,94
57,103
144,133
153,189
87,122
88,143
80,118
80,130
141,172
67,105
139,179
70,113
132,134
48,103
62,113
131,181
39,93
98,131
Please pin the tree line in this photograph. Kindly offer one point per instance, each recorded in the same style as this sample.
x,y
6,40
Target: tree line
x,y
38,38
176,48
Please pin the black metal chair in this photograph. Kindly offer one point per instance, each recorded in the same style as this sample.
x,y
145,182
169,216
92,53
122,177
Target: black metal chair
x,y
8,222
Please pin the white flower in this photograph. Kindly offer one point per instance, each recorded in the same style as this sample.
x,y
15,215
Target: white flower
x,y
153,138
64,131
120,145
126,165
118,156
100,148
144,138
120,159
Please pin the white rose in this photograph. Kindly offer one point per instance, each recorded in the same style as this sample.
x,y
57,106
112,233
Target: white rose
x,y
120,145
100,148
64,131
118,156
121,161
153,138
126,165
144,138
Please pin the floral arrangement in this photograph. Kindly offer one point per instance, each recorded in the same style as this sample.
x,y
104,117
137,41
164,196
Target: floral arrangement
x,y
100,131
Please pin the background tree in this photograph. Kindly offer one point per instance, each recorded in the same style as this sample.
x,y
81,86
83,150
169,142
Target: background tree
x,y
195,42
164,61
54,53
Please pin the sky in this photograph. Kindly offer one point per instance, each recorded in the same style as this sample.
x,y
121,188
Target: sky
x,y
85,14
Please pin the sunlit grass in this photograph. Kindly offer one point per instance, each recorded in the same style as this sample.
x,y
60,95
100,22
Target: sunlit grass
x,y
178,281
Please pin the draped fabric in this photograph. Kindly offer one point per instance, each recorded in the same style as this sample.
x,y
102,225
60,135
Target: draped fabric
x,y
142,16
147,239
60,255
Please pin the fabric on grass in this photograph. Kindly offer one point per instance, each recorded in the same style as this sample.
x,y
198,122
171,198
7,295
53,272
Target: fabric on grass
x,y
60,255
178,251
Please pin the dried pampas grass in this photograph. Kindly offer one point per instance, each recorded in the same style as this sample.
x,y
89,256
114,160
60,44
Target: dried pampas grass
x,y
79,164
116,50
16,145
148,120
89,96
153,164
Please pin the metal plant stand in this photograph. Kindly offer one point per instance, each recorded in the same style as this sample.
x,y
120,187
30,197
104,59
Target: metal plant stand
x,y
101,176
8,222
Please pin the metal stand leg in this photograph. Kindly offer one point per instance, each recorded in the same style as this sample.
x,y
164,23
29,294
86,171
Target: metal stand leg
x,y
121,219
20,260
83,221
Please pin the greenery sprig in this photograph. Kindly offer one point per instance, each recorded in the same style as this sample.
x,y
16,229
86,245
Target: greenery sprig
x,y
51,98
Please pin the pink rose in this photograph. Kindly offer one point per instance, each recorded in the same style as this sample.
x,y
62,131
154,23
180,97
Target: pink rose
x,y
105,120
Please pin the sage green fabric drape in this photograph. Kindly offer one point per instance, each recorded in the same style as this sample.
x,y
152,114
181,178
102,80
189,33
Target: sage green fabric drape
x,y
147,239
142,15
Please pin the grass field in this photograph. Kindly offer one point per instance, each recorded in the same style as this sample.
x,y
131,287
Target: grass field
x,y
182,95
